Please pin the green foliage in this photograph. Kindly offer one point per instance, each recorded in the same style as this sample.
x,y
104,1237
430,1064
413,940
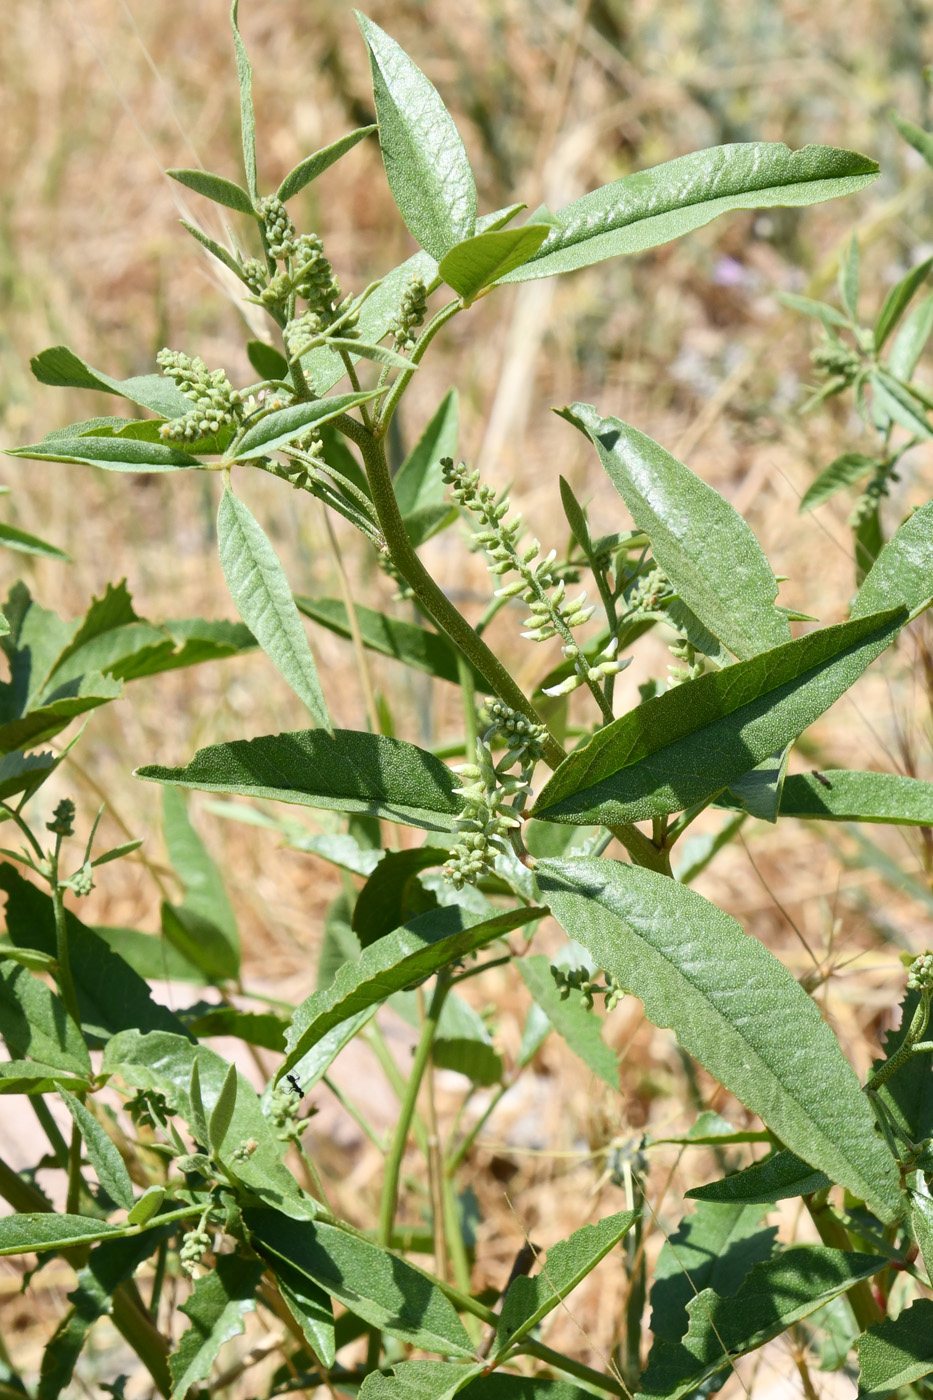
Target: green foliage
x,y
174,1153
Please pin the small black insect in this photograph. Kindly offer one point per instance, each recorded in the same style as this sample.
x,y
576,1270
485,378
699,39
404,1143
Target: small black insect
x,y
821,778
295,1085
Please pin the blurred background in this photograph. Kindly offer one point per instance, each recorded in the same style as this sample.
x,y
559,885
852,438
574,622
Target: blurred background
x,y
689,343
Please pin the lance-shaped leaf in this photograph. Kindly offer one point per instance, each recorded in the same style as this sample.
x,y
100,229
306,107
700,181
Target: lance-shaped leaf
x,y
32,1077
898,299
735,1008
215,187
313,1065
426,164
165,1063
375,1285
902,575
701,542
112,454
418,481
777,1178
260,590
216,1310
842,472
776,1294
103,1154
896,1352
528,1300
349,771
111,996
311,1308
424,1380
205,918
34,1022
247,118
276,430
716,1248
479,261
23,543
64,369
653,206
910,341
580,1027
401,959
29,1233
393,893
685,746
908,1094
416,647
56,713
841,795
314,165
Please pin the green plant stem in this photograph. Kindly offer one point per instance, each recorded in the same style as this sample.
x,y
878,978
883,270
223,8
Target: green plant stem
x,y
392,400
135,1325
20,1194
376,1041
864,1308
407,1109
158,1279
456,1157
63,975
439,607
908,1046
51,1129
559,1362
75,1179
468,692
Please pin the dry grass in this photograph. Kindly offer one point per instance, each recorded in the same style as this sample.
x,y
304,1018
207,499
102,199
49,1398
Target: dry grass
x,y
689,343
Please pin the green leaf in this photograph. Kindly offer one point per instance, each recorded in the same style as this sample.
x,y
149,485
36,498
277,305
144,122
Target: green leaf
x,y
31,1077
314,165
379,353
105,1159
416,647
897,301
580,1027
758,792
700,541
898,403
418,481
254,1027
34,1022
263,598
735,1008
921,1224
922,141
28,1233
426,164
349,771
223,1110
848,279
109,1265
654,206
63,369
112,454
151,955
165,1063
392,893
858,797
776,1294
421,1380
819,310
716,1248
480,261
216,1309
896,1352
24,543
869,540
277,429
247,119
148,1205
215,187
311,1308
407,956
205,895
375,1285
842,471
312,1067
908,1094
111,996
685,746
528,1300
911,339
902,574
776,1178
266,360
461,1043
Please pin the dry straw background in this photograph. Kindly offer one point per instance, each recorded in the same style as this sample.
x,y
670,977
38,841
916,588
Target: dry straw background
x,y
688,342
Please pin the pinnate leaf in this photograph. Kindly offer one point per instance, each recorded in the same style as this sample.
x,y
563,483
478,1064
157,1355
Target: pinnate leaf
x,y
734,1007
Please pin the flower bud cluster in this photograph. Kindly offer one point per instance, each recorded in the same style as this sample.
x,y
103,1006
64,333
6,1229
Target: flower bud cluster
x,y
872,496
82,881
411,313
920,976
650,593
625,1159
693,667
255,274
605,664
579,979
277,227
538,583
283,1110
62,823
216,403
492,796
194,1246
837,361
313,277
